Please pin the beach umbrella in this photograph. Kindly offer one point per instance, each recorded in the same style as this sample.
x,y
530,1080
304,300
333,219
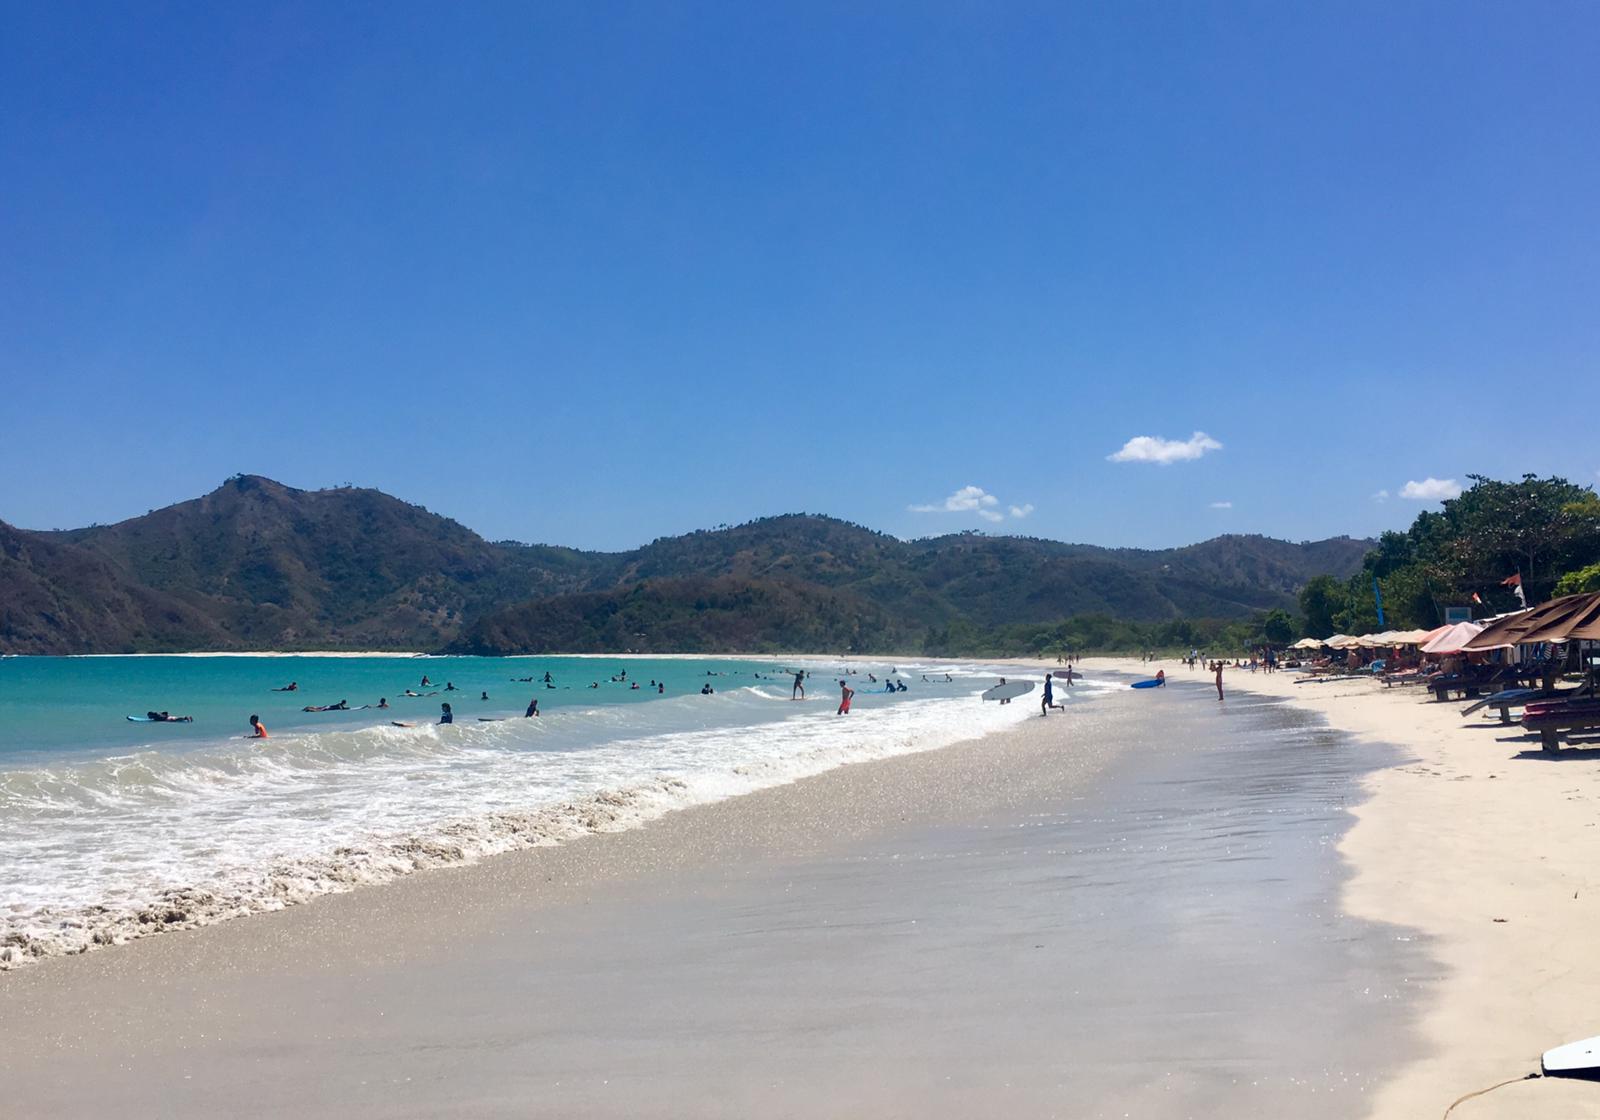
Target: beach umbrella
x,y
1454,639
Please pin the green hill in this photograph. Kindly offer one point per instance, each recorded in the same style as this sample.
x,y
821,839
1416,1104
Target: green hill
x,y
258,565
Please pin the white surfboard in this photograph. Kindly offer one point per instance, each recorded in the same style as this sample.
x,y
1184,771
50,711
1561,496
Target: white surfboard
x,y
1009,691
1575,1059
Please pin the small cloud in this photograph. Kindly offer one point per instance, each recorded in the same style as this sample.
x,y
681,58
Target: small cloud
x,y
1221,505
968,499
1431,489
1165,452
1381,496
973,499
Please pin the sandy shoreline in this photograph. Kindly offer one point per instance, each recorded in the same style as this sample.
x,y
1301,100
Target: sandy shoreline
x,y
1490,849
1476,841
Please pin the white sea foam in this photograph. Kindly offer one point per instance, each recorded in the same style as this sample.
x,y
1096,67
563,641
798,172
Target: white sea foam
x,y
99,851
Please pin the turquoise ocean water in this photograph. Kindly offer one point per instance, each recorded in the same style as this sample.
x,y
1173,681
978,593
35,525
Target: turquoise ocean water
x,y
111,829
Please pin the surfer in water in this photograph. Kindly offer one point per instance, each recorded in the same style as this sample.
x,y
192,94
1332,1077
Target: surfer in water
x,y
533,709
258,730
799,690
383,702
445,714
341,706
292,686
706,689
845,692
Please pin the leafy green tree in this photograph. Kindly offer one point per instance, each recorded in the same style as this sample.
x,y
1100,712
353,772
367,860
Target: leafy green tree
x,y
1320,599
1278,627
1580,581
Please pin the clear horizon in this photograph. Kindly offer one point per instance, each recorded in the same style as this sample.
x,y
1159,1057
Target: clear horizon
x,y
1127,276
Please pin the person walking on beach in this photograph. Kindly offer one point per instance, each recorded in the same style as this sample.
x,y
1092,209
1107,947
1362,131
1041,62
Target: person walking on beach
x,y
445,714
799,692
258,730
1219,680
845,692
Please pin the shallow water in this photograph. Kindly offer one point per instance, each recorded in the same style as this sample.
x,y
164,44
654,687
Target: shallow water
x,y
1161,941
110,830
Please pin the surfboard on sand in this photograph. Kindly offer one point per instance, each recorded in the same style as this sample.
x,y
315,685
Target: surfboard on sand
x,y
1009,691
1575,1059
1148,684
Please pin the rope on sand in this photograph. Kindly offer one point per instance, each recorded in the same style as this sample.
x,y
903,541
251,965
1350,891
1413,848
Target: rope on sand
x,y
1490,1089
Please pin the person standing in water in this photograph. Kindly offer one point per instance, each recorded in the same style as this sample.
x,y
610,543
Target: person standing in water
x,y
799,692
845,692
533,708
258,730
445,714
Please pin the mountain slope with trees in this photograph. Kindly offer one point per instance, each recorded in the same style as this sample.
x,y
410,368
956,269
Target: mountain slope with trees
x,y
258,565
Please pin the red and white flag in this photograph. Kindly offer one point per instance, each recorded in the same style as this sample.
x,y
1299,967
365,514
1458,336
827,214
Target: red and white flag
x,y
1515,583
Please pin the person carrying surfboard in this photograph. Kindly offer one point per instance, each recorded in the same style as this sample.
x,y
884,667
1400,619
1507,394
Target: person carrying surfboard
x,y
845,693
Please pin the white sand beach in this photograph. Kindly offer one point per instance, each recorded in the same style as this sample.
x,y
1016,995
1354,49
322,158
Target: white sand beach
x,y
904,937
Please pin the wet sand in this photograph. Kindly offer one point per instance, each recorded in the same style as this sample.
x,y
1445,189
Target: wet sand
x,y
1116,911
1490,849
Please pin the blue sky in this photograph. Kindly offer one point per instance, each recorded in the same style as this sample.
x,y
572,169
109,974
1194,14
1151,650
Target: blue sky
x,y
593,273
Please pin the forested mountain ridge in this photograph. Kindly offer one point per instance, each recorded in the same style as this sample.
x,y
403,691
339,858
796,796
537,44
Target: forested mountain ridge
x,y
258,565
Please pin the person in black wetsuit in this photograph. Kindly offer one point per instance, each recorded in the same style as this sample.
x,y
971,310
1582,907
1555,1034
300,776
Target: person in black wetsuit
x,y
445,714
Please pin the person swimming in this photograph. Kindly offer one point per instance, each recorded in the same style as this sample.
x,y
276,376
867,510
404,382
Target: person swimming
x,y
445,714
449,686
408,692
292,686
383,702
706,689
341,706
485,696
661,690
258,730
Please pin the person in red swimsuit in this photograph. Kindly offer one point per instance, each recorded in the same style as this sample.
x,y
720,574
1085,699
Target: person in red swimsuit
x,y
845,692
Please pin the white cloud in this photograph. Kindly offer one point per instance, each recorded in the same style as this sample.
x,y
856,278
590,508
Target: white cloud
x,y
1154,449
1221,505
973,499
1381,496
1431,489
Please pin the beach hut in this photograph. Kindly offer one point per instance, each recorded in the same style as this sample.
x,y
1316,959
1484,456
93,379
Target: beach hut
x,y
1569,618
